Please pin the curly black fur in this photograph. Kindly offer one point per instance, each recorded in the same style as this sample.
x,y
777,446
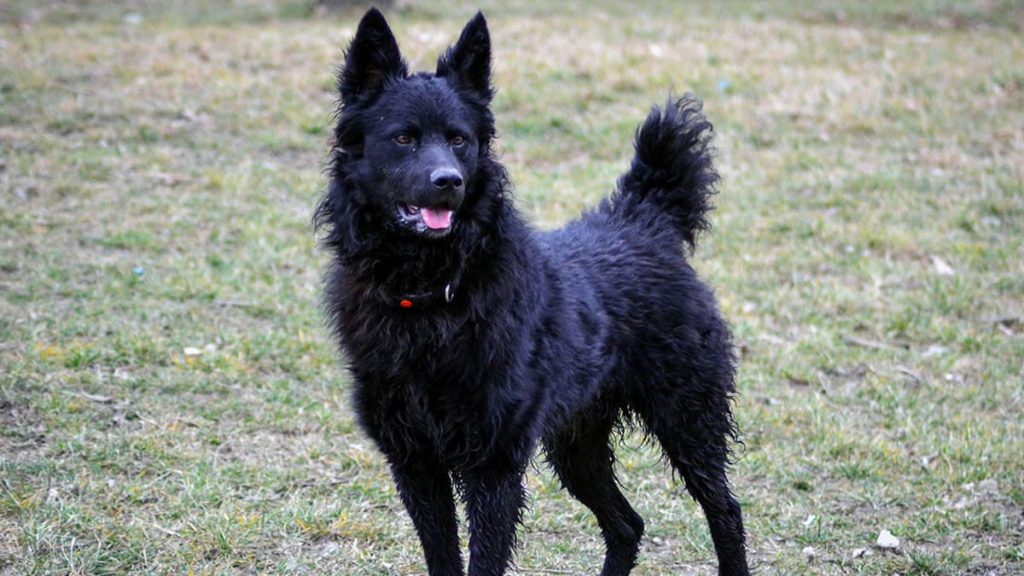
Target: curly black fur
x,y
473,340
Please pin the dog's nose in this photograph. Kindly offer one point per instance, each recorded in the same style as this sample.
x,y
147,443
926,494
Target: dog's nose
x,y
446,178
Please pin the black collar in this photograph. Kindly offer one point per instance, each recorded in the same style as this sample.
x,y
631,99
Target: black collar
x,y
422,300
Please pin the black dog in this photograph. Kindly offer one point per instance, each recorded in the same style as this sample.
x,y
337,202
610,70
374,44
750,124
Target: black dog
x,y
473,338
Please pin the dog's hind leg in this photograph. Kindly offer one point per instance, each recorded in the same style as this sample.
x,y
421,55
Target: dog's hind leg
x,y
583,459
693,434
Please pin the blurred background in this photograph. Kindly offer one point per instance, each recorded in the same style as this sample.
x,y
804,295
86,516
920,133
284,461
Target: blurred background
x,y
170,401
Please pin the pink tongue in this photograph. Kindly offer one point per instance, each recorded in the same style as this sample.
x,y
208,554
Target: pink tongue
x,y
436,219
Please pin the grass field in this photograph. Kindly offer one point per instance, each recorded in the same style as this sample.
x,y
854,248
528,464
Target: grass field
x,y
169,401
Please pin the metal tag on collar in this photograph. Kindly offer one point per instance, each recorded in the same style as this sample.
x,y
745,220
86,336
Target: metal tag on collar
x,y
448,293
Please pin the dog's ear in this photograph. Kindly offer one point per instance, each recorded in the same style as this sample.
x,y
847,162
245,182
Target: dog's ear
x,y
371,58
468,63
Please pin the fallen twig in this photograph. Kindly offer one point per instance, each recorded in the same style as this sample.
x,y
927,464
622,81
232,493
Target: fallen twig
x,y
167,531
868,343
98,398
917,378
233,303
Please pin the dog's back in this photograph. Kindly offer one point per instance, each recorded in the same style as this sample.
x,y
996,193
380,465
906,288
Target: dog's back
x,y
650,310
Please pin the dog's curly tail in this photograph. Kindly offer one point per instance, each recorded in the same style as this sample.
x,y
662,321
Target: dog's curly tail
x,y
672,169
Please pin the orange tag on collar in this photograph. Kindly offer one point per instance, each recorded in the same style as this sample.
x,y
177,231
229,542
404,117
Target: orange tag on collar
x,y
405,303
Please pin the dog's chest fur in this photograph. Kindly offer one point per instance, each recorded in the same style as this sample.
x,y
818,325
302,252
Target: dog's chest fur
x,y
460,375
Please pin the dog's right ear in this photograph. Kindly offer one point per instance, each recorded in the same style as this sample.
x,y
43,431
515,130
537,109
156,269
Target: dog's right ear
x,y
370,60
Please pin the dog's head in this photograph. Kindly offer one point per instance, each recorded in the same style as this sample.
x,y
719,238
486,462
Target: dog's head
x,y
409,147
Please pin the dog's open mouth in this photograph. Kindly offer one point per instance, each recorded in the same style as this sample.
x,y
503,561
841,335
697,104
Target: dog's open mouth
x,y
426,218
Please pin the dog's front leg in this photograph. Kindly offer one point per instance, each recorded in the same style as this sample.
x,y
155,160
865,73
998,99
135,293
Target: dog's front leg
x,y
494,503
426,490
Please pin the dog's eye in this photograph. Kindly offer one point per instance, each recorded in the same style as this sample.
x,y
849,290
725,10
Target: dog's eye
x,y
457,141
403,139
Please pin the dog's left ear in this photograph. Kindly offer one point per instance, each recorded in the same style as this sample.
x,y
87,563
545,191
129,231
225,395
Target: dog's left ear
x,y
468,62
